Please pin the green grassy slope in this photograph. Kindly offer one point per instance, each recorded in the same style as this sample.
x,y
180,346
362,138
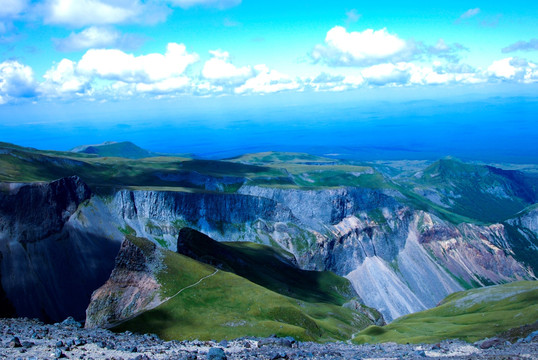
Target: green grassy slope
x,y
479,192
18,164
267,267
124,149
469,315
226,306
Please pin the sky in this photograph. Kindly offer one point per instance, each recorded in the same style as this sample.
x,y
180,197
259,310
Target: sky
x,y
66,63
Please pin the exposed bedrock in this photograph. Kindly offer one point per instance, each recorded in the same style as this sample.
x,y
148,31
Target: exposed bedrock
x,y
54,246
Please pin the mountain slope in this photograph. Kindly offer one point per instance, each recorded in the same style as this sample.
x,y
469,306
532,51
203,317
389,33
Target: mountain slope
x,y
124,149
267,267
469,315
200,302
480,192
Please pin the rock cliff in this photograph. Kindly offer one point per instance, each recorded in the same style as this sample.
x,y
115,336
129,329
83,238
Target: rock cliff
x,y
399,259
55,249
131,288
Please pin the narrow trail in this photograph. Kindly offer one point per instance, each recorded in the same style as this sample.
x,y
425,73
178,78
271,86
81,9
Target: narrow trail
x,y
188,287
154,305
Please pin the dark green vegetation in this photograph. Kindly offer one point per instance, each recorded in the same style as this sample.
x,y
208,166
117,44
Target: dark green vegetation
x,y
225,305
468,315
125,149
456,191
480,192
266,266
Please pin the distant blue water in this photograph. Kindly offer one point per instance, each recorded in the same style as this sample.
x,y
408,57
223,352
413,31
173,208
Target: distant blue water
x,y
494,130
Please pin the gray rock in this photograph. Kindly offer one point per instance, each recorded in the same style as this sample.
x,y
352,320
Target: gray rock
x,y
70,321
15,343
216,354
487,343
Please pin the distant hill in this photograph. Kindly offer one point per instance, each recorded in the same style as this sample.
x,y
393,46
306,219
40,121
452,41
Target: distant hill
x,y
124,149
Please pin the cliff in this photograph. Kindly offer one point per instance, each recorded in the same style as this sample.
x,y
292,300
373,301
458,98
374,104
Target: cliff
x,y
54,248
131,288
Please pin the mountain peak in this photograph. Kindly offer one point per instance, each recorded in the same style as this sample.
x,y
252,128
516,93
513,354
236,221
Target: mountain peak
x,y
125,149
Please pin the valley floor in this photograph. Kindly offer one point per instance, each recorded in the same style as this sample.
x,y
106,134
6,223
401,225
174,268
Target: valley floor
x,y
31,339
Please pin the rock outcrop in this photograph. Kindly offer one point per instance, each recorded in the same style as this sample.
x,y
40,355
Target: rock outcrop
x,y
131,288
55,247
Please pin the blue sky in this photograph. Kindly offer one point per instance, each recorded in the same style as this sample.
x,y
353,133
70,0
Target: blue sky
x,y
114,61
108,50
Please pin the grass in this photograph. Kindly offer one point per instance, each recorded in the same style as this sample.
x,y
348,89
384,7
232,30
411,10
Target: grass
x,y
125,149
468,315
227,306
267,267
469,189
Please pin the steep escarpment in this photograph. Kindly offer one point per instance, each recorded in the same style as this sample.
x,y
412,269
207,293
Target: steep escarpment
x,y
56,249
31,212
399,259
409,260
131,288
317,208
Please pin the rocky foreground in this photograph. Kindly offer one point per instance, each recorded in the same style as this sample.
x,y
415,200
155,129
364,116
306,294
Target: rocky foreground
x,y
32,339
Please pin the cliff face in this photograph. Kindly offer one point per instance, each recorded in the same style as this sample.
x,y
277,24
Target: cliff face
x,y
55,247
58,243
399,260
409,260
131,288
31,212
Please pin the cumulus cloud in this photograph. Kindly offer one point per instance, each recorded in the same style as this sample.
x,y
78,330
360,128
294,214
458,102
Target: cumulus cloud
x,y
369,47
219,71
333,82
514,69
219,4
530,45
16,81
63,80
114,64
81,13
384,74
12,8
267,81
97,37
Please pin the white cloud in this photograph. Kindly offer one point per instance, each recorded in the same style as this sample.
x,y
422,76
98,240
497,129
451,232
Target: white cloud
x,y
16,81
514,69
219,4
384,74
467,15
175,84
503,69
369,47
92,37
470,13
12,8
219,71
63,80
113,64
267,81
81,13
448,51
331,82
